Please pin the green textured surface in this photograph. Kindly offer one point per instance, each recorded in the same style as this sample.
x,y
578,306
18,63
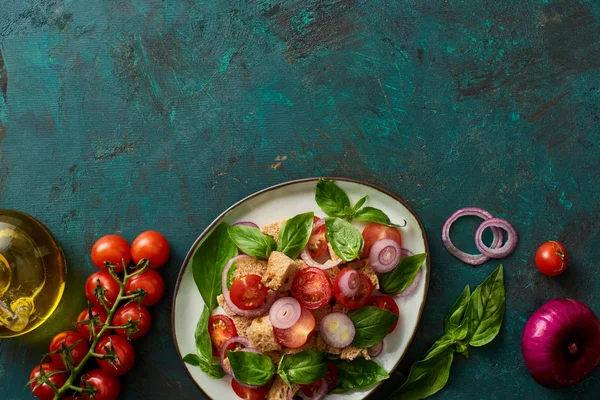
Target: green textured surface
x,y
121,116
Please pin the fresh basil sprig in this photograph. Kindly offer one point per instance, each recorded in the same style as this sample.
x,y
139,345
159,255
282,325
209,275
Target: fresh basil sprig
x,y
455,324
294,234
347,241
486,310
372,325
302,368
252,241
401,277
357,374
251,368
213,370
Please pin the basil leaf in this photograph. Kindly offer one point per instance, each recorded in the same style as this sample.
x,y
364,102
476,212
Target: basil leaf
x,y
213,370
208,262
203,343
440,345
294,234
347,241
372,325
401,277
373,214
332,200
302,368
358,373
192,359
252,241
230,274
426,377
358,205
457,321
251,368
486,309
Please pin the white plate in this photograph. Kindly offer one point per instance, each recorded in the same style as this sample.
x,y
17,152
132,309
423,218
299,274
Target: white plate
x,y
284,201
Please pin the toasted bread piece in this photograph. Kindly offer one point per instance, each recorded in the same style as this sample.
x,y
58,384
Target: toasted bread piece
x,y
323,346
339,308
280,272
247,266
261,335
273,229
275,356
241,323
363,266
350,353
279,390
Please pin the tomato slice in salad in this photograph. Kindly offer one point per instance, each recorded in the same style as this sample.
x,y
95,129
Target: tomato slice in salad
x,y
297,335
360,298
220,329
247,393
317,243
248,292
374,232
312,288
386,303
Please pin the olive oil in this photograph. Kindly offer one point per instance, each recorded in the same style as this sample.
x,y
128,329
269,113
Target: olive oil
x,y
32,273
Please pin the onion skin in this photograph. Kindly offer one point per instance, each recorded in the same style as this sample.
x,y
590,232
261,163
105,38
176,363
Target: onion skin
x,y
561,343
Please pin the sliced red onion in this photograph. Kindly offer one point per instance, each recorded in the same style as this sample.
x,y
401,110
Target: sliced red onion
x,y
384,255
319,394
337,330
349,282
471,259
305,255
320,222
222,353
507,248
375,350
245,223
289,393
285,312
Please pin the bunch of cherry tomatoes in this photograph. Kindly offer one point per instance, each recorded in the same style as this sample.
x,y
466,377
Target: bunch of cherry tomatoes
x,y
113,351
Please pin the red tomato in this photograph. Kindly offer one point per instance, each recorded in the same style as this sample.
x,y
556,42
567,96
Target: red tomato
x,y
106,387
44,391
134,312
360,298
374,232
551,258
248,292
113,249
123,350
104,279
317,243
69,338
151,282
152,246
386,303
247,393
297,335
220,328
84,329
312,288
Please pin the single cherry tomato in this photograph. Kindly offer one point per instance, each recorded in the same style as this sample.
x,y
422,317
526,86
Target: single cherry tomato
x,y
113,249
312,288
551,258
151,282
360,298
374,232
106,387
317,243
69,338
386,303
247,393
88,314
248,292
124,352
104,279
299,333
135,312
220,329
44,391
152,246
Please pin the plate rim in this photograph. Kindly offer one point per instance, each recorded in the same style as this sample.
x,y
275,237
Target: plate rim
x,y
190,252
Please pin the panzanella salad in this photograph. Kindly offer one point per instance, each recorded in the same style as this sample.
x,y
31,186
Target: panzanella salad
x,y
306,301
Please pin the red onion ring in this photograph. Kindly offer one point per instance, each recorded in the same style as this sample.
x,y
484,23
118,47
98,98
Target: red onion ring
x,y
289,393
257,312
349,283
471,259
507,248
384,255
375,350
245,223
343,331
319,394
285,312
222,353
320,222
305,255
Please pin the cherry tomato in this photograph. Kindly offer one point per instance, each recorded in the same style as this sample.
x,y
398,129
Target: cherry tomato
x,y
298,334
551,258
123,350
84,329
317,243
106,281
220,328
312,288
374,232
247,393
248,292
107,387
386,303
360,298
134,312
152,246
151,282
69,338
44,391
111,248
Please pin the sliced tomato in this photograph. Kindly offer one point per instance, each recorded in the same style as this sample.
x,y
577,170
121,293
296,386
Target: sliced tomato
x,y
248,292
247,393
386,303
297,335
360,298
312,288
374,232
220,328
317,243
